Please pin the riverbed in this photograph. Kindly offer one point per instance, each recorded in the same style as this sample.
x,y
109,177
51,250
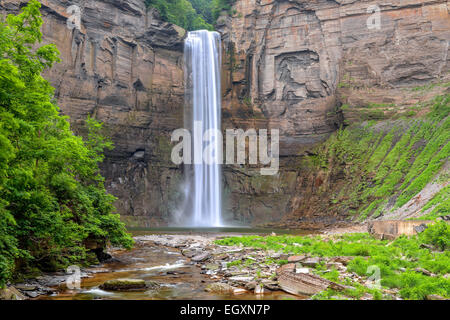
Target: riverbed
x,y
162,256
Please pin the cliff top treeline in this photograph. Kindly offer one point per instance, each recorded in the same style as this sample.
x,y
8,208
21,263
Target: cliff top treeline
x,y
191,14
52,197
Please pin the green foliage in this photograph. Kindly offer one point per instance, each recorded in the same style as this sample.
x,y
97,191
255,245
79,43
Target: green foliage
x,y
183,14
204,8
438,235
192,14
431,86
415,286
391,258
441,107
234,263
386,164
221,5
333,275
439,205
52,195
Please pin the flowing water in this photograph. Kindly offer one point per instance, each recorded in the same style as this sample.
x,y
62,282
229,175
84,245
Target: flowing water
x,y
203,118
178,278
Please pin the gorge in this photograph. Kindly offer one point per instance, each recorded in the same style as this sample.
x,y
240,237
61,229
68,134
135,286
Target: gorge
x,y
107,107
305,67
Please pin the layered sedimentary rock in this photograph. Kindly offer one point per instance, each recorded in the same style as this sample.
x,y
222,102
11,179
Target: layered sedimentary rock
x,y
289,59
124,67
306,67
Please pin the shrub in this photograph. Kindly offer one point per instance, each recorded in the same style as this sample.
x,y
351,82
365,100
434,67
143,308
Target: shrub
x,y
437,235
52,197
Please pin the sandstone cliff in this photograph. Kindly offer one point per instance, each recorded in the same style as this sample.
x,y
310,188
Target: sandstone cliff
x,y
293,60
124,66
307,67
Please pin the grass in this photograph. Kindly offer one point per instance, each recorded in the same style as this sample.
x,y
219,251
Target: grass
x,y
381,166
428,87
235,263
439,205
397,260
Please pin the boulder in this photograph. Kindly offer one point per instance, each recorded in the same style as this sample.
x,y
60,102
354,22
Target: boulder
x,y
420,229
435,297
238,291
286,267
301,270
189,253
342,259
11,293
251,285
124,285
311,262
33,294
201,257
241,280
270,285
219,287
26,287
295,259
305,284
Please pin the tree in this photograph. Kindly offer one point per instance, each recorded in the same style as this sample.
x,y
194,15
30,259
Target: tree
x,y
204,8
182,13
52,197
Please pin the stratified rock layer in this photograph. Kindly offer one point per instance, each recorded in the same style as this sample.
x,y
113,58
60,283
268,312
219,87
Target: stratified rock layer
x,y
291,65
290,58
124,66
288,65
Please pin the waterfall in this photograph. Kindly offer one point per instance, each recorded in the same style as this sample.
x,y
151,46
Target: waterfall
x,y
202,56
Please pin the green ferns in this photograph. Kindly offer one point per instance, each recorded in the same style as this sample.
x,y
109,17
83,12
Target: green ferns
x,y
52,197
386,164
439,205
397,260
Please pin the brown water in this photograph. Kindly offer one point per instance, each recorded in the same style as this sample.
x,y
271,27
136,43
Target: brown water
x,y
178,278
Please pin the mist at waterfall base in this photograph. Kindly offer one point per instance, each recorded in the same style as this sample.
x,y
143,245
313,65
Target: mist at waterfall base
x,y
202,204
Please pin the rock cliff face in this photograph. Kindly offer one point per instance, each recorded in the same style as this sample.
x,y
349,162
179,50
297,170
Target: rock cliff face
x,y
124,66
307,67
290,59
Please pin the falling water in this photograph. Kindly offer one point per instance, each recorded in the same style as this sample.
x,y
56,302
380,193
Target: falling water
x,y
203,113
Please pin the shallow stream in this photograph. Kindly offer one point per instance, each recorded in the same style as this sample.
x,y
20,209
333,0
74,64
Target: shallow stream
x,y
178,278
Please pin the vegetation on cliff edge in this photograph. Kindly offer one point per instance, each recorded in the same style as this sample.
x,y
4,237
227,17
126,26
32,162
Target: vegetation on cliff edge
x,y
401,262
181,13
191,14
383,165
52,197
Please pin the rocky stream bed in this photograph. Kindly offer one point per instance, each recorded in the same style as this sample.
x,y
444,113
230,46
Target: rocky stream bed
x,y
194,265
